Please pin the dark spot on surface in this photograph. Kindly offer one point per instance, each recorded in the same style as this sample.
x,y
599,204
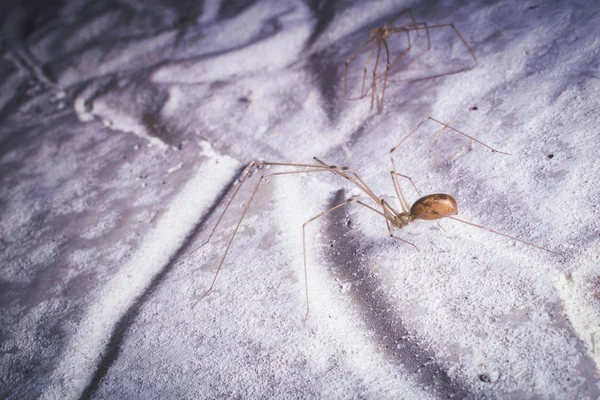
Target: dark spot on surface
x,y
550,155
243,100
474,108
485,378
532,7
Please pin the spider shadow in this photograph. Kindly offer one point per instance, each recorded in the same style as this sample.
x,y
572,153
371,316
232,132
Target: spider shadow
x,y
373,305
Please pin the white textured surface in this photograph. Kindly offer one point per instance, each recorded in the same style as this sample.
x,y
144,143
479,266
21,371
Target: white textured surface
x,y
121,127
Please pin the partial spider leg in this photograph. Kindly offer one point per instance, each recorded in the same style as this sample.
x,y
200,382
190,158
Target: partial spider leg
x,y
418,26
395,173
396,183
446,126
387,70
462,39
464,42
405,11
313,168
438,134
385,204
357,180
388,211
346,202
502,234
422,26
401,199
400,29
246,175
407,29
408,45
363,90
249,171
374,80
395,176
346,67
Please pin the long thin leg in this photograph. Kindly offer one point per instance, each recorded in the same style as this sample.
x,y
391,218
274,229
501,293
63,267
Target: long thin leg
x,y
347,65
440,132
363,91
249,171
405,11
446,126
374,80
315,168
463,41
407,30
502,234
423,26
404,204
391,233
346,202
394,171
246,175
395,176
359,182
387,70
408,46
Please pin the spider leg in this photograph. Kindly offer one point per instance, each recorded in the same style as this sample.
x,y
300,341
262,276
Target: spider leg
x,y
345,202
374,81
446,126
406,50
405,11
391,233
313,168
502,234
347,65
387,69
395,176
248,172
462,40
353,177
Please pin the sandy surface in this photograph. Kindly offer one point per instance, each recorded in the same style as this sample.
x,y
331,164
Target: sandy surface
x,y
125,128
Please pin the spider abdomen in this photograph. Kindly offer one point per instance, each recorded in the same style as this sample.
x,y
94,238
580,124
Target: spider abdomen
x,y
434,206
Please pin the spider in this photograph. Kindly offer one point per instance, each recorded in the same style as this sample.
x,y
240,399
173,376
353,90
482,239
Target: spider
x,y
431,207
372,49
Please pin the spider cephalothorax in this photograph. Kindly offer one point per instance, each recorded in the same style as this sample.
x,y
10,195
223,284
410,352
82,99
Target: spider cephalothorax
x,y
381,33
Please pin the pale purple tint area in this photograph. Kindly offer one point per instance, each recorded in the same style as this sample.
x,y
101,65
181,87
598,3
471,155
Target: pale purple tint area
x,y
125,127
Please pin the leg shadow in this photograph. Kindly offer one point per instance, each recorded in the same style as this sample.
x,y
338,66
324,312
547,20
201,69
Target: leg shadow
x,y
389,332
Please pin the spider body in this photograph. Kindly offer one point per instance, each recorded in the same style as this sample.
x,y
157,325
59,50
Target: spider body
x,y
380,34
433,206
382,56
429,208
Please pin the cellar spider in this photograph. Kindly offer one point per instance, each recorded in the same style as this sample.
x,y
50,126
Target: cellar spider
x,y
431,207
372,49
